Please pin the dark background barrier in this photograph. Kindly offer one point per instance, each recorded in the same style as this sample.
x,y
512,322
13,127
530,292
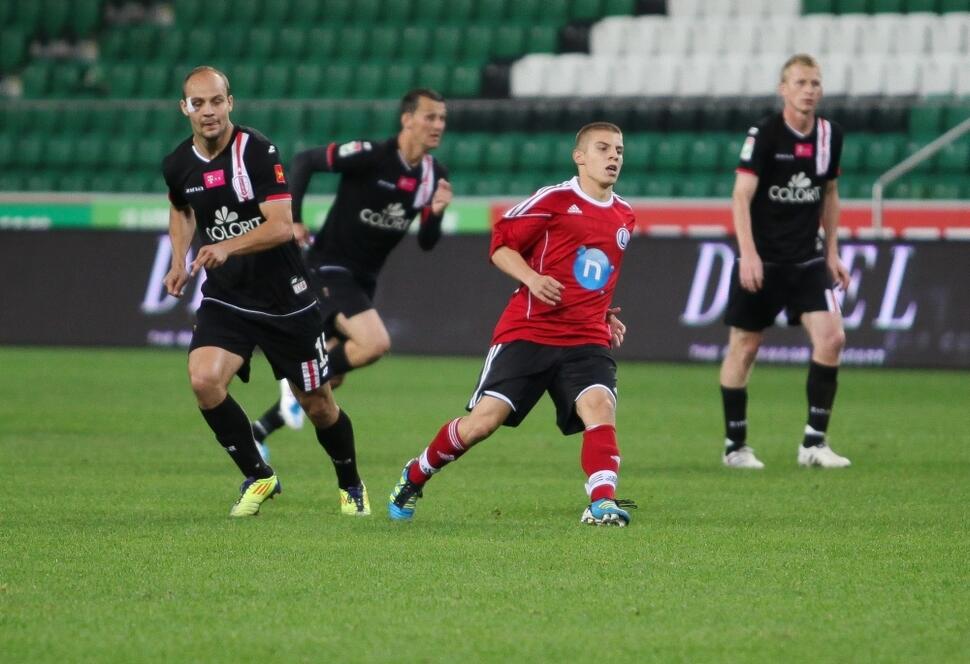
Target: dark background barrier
x,y
908,305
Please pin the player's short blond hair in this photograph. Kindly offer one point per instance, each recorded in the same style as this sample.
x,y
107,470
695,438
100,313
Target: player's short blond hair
x,y
803,59
594,126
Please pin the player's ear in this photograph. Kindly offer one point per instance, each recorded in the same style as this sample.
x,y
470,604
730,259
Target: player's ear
x,y
182,107
579,157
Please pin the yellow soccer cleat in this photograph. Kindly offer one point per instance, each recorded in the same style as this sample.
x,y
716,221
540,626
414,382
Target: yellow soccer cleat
x,y
253,493
354,501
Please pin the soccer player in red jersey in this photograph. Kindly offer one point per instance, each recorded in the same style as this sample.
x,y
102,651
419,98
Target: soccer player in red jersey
x,y
564,245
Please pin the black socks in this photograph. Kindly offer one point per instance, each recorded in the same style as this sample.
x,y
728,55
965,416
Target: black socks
x,y
820,387
735,400
338,441
234,432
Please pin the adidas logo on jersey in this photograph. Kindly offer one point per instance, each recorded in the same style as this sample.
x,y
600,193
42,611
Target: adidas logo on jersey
x,y
574,209
798,190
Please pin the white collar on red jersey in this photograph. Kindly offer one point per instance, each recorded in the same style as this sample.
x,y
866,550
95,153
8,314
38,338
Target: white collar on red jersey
x,y
574,184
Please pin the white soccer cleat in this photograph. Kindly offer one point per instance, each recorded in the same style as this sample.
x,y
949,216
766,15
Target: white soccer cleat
x,y
743,458
290,409
821,456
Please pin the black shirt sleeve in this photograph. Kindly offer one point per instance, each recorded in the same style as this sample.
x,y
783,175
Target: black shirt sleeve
x,y
755,151
835,168
266,172
430,230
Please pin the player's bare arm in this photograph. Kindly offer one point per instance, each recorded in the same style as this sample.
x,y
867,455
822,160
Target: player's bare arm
x,y
181,229
830,224
751,271
617,328
546,289
276,229
442,197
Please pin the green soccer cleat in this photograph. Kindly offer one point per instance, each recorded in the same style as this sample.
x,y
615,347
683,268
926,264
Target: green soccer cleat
x,y
354,501
253,493
404,496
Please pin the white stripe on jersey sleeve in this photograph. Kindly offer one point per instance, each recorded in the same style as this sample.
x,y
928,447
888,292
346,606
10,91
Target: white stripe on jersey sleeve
x,y
522,208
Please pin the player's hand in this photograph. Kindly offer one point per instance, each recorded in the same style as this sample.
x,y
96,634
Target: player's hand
x,y
751,273
301,234
840,274
546,289
442,197
209,256
617,328
175,281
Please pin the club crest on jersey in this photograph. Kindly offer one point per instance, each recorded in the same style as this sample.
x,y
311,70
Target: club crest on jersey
x,y
214,179
592,268
622,238
243,187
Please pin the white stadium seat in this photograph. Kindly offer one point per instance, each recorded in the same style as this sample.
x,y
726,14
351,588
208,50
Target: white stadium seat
x,y
643,34
629,76
784,7
728,76
764,74
835,74
774,35
695,77
961,86
674,38
938,75
912,36
688,9
661,76
866,76
562,75
740,36
810,33
948,35
881,32
901,75
610,36
707,36
593,76
844,34
527,78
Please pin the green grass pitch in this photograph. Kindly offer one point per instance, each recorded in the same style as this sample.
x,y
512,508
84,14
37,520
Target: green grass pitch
x,y
115,544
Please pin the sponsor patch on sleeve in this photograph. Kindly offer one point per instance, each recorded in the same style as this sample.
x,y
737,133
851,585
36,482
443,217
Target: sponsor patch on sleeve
x,y
747,149
278,169
353,147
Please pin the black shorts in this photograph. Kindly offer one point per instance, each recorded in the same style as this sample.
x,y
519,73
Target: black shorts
x,y
796,288
294,345
341,292
519,373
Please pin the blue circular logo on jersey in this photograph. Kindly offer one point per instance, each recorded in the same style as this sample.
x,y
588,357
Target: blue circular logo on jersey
x,y
592,268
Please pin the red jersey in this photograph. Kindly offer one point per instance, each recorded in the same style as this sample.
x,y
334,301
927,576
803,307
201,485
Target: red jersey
x,y
578,241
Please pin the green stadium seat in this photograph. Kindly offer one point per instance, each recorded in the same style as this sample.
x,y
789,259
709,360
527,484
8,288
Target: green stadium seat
x,y
275,81
817,6
244,80
260,45
618,8
351,43
11,181
201,44
489,184
430,12
554,13
535,152
921,6
415,43
697,185
907,187
6,151
366,12
542,39
36,79
246,12
384,41
947,6
45,121
882,153
59,152
91,151
466,153
307,80
659,185
288,120
169,46
524,12
446,43
586,10
54,17
337,78
321,43
353,123
399,79
13,49
142,40
702,155
850,6
478,43
65,80
149,151
321,125
40,181
308,12
509,42
851,161
500,153
465,81
8,13
73,182
368,81
925,119
944,189
671,153
154,81
188,12
637,152
883,6
954,115
291,44
397,12
954,158
433,75
254,114
28,16
723,185
490,13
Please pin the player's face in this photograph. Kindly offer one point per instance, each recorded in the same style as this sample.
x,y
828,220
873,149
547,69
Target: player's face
x,y
427,123
802,88
601,156
207,105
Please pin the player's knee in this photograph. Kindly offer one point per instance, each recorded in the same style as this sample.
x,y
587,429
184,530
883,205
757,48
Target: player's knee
x,y
474,429
208,388
598,405
321,410
745,347
832,342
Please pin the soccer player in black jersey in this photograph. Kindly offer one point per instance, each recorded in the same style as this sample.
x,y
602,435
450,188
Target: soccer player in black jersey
x,y
383,187
786,185
227,182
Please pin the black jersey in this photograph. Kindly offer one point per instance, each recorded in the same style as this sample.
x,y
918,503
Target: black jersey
x,y
225,193
377,199
792,170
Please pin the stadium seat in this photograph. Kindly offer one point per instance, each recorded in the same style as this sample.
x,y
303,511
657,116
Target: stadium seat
x,y
660,185
59,151
337,79
509,41
446,43
467,153
65,80
335,12
368,81
535,153
433,75
275,81
851,161
662,77
321,42
628,74
245,80
87,17
153,81
612,35
36,79
351,43
354,123
307,80
397,12
400,79
542,39
291,44
90,151
954,158
169,46
695,77
947,36
671,153
490,184
882,153
702,154
200,45
13,49
366,12
383,42
415,43
697,185
675,38
430,12
938,76
500,153
477,43
320,125
901,76
465,81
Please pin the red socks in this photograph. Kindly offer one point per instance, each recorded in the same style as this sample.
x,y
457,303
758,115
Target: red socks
x,y
445,448
601,461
